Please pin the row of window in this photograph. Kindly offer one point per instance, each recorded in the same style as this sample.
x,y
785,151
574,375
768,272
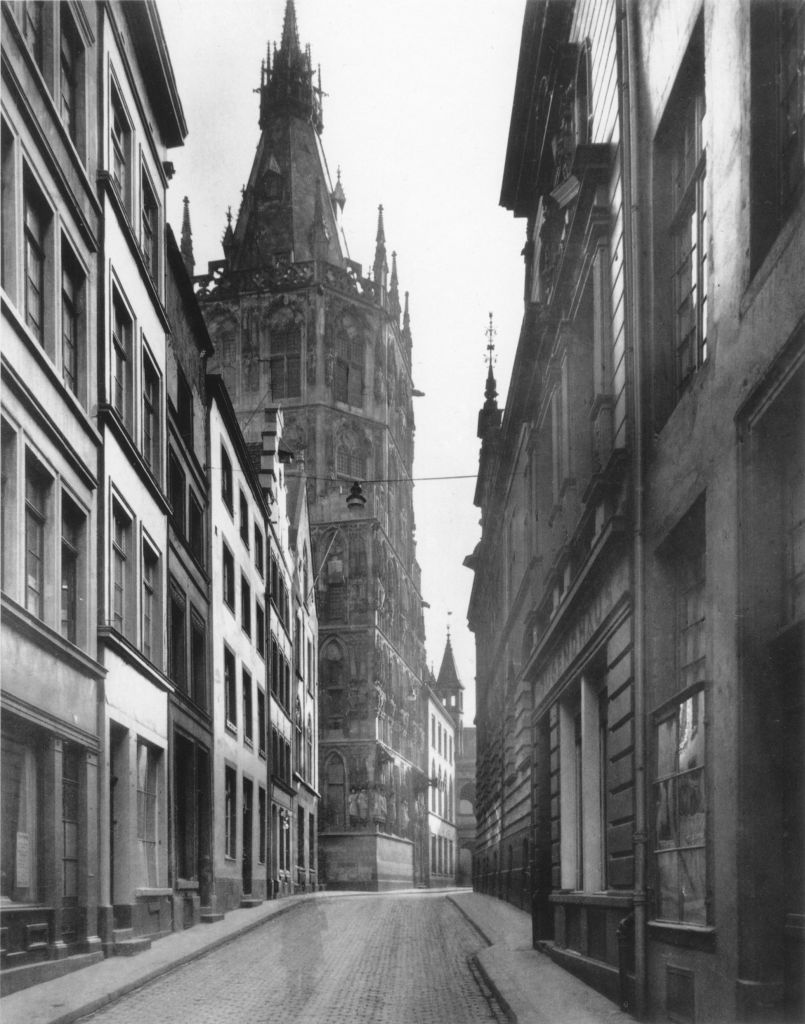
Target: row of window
x,y
49,573
135,610
246,811
441,855
228,581
63,66
187,646
187,511
441,794
41,270
440,739
242,713
227,496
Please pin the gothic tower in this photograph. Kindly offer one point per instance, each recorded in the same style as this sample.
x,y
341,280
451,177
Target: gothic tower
x,y
297,324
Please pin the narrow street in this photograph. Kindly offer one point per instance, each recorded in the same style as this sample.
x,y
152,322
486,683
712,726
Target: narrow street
x,y
377,959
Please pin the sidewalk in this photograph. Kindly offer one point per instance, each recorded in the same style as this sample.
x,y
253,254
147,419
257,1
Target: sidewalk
x,y
531,987
528,983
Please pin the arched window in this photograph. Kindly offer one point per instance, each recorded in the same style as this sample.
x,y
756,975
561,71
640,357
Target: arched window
x,y
332,681
348,379
336,791
285,361
350,461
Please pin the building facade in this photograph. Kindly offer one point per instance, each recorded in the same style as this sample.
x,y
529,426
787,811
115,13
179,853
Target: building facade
x,y
53,674
295,321
190,567
641,495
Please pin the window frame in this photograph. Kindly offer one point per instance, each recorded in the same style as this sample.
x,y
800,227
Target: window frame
x,y
37,528
227,493
37,218
228,576
150,412
150,584
122,336
120,147
230,690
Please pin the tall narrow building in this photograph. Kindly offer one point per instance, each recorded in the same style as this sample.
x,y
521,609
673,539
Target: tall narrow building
x,y
297,324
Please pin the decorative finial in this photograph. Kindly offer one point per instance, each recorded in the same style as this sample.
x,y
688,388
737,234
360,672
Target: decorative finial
x,y
448,626
490,346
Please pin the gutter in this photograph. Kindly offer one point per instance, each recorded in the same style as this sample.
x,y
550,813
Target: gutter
x,y
626,12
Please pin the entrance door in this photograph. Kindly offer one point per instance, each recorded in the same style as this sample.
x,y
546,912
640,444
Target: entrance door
x,y
247,837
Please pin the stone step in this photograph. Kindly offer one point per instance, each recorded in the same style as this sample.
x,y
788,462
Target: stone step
x,y
211,916
250,901
131,947
122,934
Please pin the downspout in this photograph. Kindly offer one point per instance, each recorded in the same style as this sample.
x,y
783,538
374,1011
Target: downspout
x,y
634,336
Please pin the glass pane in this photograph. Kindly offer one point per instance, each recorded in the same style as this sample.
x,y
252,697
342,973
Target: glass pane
x,y
666,814
691,732
691,808
692,887
667,887
666,747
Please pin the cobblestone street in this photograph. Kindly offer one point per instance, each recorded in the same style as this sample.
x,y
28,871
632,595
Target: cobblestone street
x,y
395,959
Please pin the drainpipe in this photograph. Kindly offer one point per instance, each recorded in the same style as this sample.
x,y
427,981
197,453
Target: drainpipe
x,y
634,336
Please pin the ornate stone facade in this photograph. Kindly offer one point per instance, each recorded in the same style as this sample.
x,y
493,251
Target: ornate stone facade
x,y
296,323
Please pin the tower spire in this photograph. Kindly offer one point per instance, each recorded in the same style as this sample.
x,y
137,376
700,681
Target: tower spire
x,y
406,328
287,82
186,245
381,266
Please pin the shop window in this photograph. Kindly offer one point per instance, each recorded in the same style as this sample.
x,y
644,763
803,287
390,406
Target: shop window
x,y
71,764
147,835
300,837
261,815
583,773
230,811
37,499
680,813
20,836
230,691
150,413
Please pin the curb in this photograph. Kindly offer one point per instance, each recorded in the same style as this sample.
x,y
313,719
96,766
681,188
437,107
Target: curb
x,y
112,996
504,1002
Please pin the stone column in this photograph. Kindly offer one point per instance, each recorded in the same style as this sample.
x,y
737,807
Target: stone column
x,y
52,842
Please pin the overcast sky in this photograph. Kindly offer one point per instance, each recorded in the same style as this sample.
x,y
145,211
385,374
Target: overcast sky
x,y
416,115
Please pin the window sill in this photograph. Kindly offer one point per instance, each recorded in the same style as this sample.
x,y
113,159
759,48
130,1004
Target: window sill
x,y
232,729
149,891
689,936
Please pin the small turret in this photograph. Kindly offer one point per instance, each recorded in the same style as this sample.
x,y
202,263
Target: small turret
x,y
406,328
186,247
228,241
394,291
489,417
381,267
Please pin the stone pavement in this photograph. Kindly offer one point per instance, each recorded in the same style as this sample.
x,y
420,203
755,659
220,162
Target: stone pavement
x,y
528,983
525,982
